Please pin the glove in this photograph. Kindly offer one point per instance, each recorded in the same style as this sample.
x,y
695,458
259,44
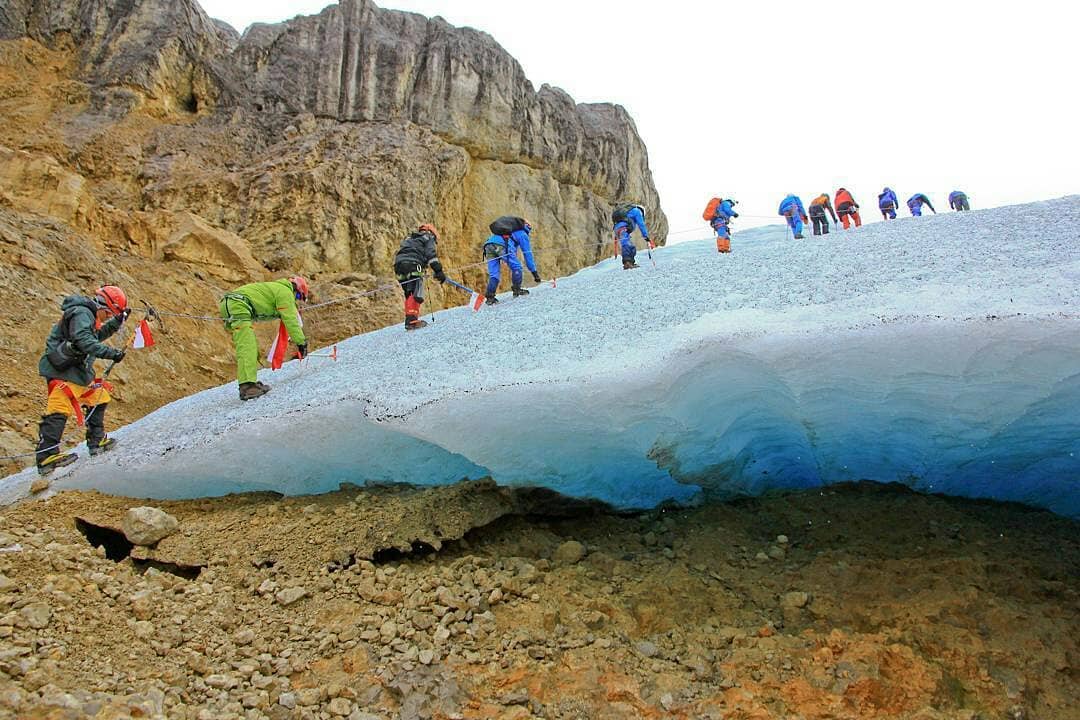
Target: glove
x,y
124,315
436,267
301,351
734,215
119,356
536,276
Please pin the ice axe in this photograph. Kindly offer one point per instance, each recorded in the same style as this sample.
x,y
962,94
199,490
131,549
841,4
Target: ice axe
x,y
154,315
649,251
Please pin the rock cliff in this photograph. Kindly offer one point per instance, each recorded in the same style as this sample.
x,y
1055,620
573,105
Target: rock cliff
x,y
150,145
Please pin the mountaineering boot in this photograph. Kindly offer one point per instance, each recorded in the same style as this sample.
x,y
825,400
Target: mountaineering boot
x,y
263,385
415,324
57,460
49,455
629,265
96,440
250,391
518,290
799,236
490,299
102,446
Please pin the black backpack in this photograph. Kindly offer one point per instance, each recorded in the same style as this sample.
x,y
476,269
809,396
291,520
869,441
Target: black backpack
x,y
619,212
507,225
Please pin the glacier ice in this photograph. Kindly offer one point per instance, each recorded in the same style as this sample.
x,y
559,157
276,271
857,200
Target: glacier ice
x,y
942,352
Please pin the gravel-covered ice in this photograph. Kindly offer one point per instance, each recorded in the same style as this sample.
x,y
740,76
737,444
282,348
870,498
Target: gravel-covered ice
x,y
941,351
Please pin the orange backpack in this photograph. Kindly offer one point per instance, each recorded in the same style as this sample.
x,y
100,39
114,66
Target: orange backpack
x,y
710,209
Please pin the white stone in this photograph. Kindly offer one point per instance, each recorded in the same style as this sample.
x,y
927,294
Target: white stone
x,y
148,525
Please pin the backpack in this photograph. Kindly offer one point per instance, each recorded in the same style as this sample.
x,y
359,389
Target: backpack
x,y
710,209
618,213
65,355
507,225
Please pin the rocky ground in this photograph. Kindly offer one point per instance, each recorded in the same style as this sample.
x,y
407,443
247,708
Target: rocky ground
x,y
475,602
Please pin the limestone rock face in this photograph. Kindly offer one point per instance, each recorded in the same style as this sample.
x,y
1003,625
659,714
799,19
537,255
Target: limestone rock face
x,y
225,254
146,144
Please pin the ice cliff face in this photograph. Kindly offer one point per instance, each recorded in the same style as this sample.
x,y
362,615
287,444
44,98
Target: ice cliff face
x,y
941,352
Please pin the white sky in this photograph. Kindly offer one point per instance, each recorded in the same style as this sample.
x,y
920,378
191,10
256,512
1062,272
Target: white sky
x,y
754,100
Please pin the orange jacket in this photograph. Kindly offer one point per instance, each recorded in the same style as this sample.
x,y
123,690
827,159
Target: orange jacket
x,y
843,196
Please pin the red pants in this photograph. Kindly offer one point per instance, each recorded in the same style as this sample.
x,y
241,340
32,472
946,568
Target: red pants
x,y
854,216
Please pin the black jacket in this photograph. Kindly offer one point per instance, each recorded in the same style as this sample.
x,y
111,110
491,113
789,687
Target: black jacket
x,y
418,248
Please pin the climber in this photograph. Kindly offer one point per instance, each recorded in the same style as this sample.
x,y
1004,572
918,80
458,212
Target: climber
x,y
887,202
915,203
719,213
627,216
508,234
254,302
847,208
818,206
792,208
68,367
958,200
417,252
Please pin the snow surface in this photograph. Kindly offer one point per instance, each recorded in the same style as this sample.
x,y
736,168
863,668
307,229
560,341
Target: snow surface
x,y
942,352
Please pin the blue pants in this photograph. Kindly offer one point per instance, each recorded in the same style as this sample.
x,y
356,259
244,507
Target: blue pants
x,y
888,213
495,256
720,226
795,223
627,248
916,210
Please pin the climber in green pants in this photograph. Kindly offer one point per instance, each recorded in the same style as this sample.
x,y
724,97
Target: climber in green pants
x,y
253,302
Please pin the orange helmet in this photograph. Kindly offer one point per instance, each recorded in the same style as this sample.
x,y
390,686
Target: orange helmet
x,y
300,287
111,297
428,228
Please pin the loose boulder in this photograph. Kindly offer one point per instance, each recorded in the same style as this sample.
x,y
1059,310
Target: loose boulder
x,y
148,525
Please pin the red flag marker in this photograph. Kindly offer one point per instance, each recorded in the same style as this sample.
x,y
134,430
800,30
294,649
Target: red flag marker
x,y
143,338
276,355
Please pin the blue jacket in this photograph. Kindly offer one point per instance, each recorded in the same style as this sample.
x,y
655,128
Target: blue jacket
x,y
791,203
635,218
919,199
887,196
956,195
725,211
519,239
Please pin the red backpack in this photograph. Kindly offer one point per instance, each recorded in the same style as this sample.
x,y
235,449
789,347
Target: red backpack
x,y
710,209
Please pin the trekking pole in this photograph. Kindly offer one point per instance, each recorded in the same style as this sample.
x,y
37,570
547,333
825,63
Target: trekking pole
x,y
649,251
332,355
459,286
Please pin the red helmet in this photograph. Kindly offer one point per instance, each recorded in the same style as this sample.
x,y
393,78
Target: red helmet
x,y
428,228
112,298
300,287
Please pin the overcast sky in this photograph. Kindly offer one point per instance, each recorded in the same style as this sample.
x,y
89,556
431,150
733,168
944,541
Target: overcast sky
x,y
754,100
